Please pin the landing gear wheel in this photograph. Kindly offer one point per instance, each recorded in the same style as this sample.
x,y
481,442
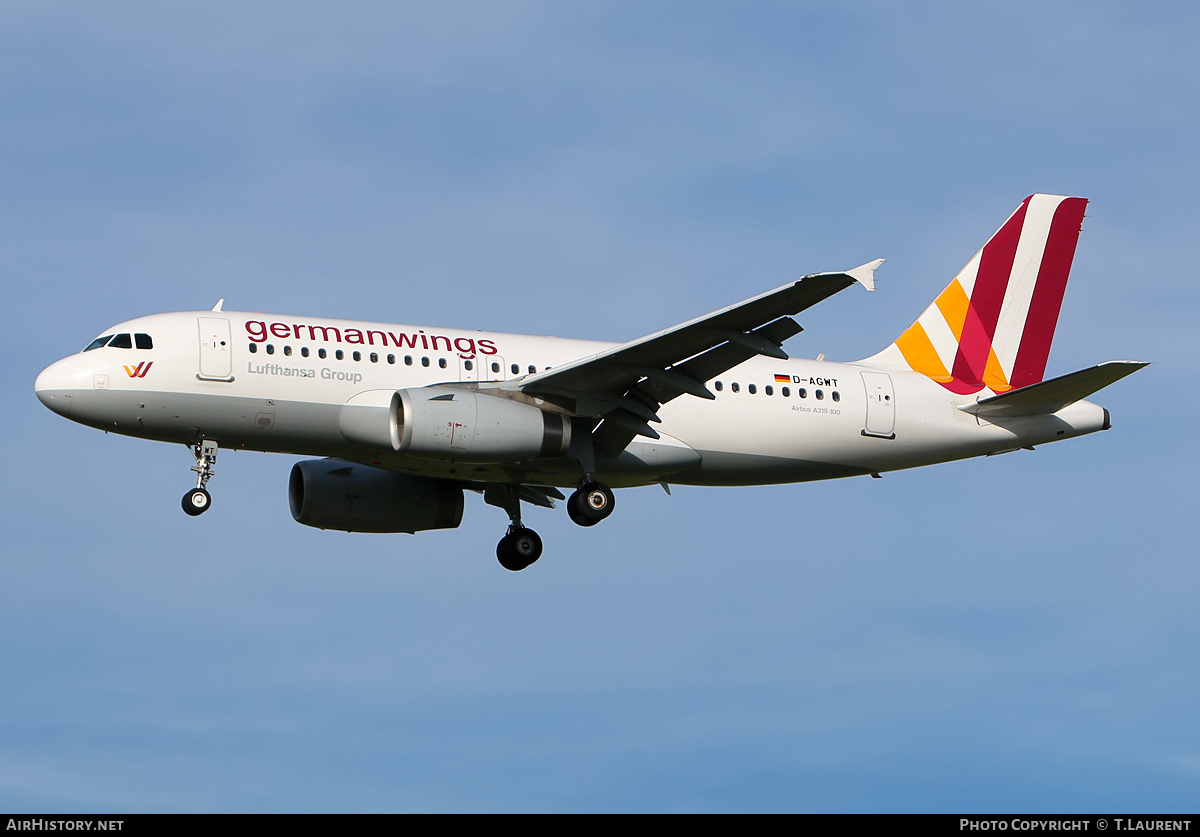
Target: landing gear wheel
x,y
592,503
577,516
196,501
518,549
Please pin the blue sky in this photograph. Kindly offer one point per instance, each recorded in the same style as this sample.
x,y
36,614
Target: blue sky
x,y
1010,634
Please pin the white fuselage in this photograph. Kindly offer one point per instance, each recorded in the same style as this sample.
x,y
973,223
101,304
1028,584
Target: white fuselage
x,y
275,383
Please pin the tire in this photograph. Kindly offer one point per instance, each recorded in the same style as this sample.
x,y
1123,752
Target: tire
x,y
197,501
592,502
517,550
576,515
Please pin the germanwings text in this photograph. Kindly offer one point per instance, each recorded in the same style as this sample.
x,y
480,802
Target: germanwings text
x,y
466,347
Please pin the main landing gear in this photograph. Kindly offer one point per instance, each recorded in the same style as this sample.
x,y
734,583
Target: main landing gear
x,y
520,547
198,500
590,504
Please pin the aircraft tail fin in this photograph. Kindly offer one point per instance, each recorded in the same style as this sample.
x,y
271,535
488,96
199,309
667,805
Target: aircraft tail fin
x,y
993,324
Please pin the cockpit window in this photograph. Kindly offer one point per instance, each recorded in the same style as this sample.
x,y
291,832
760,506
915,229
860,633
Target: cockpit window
x,y
121,341
98,342
143,341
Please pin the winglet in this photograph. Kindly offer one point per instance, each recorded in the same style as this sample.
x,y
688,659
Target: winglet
x,y
220,302
864,274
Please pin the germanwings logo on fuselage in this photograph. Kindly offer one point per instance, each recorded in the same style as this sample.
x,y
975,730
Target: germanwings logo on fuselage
x,y
465,347
140,370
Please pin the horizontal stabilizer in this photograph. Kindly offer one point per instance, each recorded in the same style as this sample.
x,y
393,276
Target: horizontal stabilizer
x,y
1048,397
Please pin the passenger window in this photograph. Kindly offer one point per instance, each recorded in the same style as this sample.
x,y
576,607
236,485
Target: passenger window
x,y
253,348
733,386
304,351
752,389
441,363
270,349
408,360
357,356
321,353
532,369
287,350
718,386
769,390
495,367
468,365
802,392
121,341
785,392
374,357
143,341
339,354
836,396
820,395
515,369
392,359
424,361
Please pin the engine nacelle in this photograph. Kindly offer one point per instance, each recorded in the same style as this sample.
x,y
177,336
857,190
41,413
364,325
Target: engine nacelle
x,y
335,494
466,426
459,425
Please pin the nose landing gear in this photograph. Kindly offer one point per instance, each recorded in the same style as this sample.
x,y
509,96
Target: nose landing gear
x,y
198,500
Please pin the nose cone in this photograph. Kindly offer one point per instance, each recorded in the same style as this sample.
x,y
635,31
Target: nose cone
x,y
53,387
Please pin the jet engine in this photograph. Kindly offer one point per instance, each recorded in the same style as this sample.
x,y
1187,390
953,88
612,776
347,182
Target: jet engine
x,y
459,425
335,494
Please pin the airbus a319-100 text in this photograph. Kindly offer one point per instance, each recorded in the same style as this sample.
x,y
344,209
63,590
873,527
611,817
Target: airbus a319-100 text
x,y
405,419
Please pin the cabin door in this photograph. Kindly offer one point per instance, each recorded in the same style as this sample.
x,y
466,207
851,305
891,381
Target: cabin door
x,y
216,357
881,405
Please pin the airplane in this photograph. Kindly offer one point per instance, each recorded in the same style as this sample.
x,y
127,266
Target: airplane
x,y
404,418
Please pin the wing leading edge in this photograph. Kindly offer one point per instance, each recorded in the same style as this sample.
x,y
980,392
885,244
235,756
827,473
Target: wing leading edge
x,y
625,385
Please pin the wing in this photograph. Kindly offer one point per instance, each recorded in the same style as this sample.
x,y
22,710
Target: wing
x,y
625,385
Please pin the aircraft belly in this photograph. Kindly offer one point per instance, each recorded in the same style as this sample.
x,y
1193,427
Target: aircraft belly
x,y
748,439
230,420
651,458
312,429
732,468
758,440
